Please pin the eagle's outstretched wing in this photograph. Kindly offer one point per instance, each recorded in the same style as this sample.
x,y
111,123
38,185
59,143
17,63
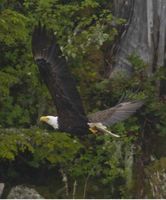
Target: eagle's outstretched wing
x,y
61,85
115,114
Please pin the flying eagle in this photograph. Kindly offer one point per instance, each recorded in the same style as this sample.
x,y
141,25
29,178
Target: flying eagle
x,y
56,75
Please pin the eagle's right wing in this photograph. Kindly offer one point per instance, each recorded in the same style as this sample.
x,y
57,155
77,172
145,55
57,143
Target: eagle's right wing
x,y
115,114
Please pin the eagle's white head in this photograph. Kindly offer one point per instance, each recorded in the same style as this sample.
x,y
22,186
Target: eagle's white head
x,y
51,120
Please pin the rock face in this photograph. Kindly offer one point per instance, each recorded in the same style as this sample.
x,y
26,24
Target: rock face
x,y
156,179
2,185
143,35
23,192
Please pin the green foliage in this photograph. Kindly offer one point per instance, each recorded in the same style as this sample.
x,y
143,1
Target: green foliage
x,y
35,148
56,148
13,27
150,89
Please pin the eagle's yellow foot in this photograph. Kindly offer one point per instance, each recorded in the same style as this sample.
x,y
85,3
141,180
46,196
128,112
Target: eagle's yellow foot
x,y
99,128
93,130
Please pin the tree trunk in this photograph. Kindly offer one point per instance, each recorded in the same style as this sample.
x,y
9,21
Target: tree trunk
x,y
144,34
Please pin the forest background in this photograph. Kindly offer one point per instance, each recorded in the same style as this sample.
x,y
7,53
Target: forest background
x,y
89,33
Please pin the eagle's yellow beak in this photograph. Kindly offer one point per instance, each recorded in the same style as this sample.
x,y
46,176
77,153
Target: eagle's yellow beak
x,y
44,119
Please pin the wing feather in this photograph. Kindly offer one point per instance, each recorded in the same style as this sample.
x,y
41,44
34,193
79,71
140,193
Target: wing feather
x,y
57,77
115,114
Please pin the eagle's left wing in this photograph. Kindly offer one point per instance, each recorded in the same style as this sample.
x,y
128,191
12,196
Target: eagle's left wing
x,y
115,114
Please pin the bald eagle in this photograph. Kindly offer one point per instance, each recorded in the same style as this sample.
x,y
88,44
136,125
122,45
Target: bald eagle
x,y
56,75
